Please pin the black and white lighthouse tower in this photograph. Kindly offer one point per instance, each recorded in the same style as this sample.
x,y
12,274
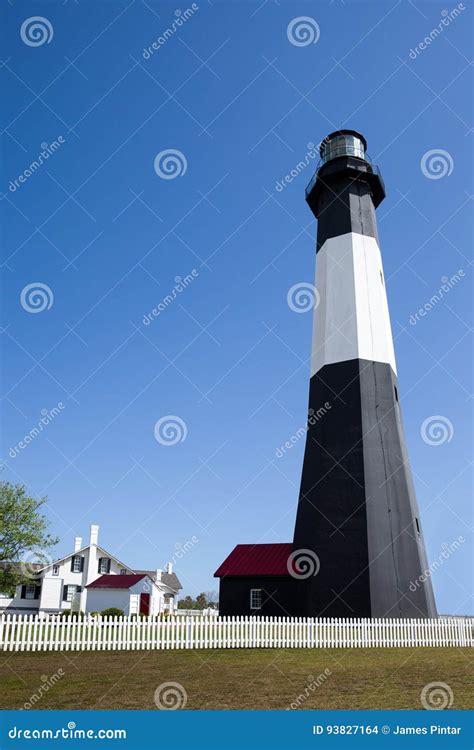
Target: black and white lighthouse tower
x,y
357,509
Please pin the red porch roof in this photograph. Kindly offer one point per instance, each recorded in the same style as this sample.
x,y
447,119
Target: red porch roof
x,y
256,560
115,582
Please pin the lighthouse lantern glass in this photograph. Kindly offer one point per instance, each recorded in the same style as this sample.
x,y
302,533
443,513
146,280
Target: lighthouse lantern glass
x,y
343,145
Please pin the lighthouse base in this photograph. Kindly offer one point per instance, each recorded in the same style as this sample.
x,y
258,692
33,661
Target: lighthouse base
x,y
357,509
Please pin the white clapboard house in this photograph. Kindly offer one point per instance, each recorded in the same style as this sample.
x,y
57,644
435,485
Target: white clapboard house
x,y
90,579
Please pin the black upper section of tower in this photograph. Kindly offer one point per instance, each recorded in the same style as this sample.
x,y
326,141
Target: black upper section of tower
x,y
346,187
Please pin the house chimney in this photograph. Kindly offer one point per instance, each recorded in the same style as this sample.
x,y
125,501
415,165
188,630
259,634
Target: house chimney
x,y
77,543
94,538
158,574
169,568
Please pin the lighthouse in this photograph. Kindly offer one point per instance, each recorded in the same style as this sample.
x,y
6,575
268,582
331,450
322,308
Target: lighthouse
x,y
357,511
358,547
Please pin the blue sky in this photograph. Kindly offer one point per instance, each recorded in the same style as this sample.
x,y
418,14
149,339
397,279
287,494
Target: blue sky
x,y
108,236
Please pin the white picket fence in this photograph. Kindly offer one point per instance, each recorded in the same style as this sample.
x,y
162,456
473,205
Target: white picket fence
x,y
30,633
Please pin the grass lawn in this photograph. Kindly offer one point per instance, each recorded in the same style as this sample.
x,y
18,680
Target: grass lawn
x,y
238,679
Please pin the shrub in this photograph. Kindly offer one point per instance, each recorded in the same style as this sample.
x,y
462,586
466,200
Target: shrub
x,y
112,612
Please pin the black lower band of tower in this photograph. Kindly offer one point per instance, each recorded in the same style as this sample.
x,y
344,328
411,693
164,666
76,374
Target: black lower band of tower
x,y
357,509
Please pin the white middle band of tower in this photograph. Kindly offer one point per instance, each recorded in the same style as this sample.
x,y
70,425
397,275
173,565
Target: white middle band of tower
x,y
351,319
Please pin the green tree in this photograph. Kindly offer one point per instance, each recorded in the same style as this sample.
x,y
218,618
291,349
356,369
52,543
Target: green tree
x,y
201,601
187,603
23,534
212,598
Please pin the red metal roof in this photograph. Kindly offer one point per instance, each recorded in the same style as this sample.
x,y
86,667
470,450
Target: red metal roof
x,y
115,582
256,560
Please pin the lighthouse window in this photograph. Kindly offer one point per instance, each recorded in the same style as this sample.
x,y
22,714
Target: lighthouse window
x,y
396,392
417,526
381,277
255,598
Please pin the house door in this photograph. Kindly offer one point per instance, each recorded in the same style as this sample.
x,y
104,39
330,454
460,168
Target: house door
x,y
144,604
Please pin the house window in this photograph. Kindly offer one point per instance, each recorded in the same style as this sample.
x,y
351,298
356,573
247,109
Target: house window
x,y
76,564
123,572
104,565
30,591
71,590
55,570
255,598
